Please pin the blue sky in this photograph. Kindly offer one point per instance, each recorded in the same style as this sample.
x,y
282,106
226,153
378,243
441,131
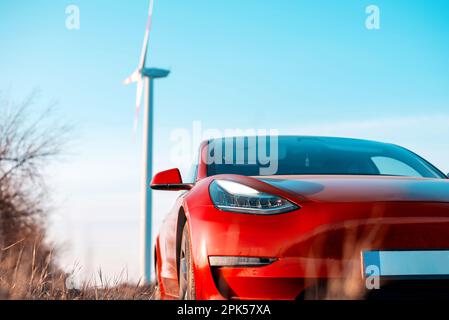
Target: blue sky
x,y
299,66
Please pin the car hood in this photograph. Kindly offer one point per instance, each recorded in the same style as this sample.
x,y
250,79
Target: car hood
x,y
362,188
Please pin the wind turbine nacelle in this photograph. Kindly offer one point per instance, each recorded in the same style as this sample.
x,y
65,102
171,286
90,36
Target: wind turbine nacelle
x,y
155,73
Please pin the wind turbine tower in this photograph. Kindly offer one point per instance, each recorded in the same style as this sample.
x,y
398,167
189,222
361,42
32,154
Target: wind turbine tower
x,y
144,78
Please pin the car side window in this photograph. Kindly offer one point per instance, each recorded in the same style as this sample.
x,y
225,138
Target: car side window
x,y
191,178
193,172
390,166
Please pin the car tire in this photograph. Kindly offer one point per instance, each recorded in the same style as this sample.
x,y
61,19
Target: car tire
x,y
157,289
186,275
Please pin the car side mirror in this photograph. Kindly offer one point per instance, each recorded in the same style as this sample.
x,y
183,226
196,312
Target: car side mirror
x,y
169,180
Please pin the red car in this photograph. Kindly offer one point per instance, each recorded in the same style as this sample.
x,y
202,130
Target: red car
x,y
295,217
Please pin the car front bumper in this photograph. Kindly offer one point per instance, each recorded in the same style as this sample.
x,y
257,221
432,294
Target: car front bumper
x,y
319,242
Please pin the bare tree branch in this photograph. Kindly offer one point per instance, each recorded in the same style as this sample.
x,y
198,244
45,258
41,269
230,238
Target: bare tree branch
x,y
29,140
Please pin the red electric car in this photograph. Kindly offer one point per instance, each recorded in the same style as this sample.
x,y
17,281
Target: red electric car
x,y
295,217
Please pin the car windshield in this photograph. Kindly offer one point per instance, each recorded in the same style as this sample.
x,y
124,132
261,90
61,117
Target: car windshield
x,y
266,156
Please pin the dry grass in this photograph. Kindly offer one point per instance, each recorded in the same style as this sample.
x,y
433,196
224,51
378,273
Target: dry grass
x,y
28,271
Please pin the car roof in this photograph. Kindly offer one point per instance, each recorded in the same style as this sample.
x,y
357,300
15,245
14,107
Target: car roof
x,y
347,139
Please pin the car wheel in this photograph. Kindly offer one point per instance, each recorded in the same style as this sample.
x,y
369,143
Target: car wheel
x,y
186,276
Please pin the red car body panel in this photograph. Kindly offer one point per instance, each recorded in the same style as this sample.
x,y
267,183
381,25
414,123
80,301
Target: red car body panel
x,y
338,218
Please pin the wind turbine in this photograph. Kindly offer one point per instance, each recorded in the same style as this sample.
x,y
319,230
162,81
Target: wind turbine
x,y
144,77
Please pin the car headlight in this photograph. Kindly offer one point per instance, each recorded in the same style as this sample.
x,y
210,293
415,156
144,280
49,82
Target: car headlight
x,y
236,197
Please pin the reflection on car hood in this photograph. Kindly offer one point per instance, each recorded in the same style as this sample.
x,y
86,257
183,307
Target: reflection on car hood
x,y
362,188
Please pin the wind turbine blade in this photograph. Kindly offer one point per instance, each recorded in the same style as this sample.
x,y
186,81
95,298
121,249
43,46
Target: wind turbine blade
x,y
138,102
143,55
135,77
139,93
